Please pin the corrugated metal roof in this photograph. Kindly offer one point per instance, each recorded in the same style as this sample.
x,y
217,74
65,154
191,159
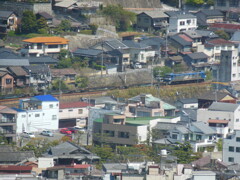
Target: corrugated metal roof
x,y
204,127
74,105
45,98
197,55
220,106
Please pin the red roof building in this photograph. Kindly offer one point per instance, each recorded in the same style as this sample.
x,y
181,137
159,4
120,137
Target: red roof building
x,y
12,169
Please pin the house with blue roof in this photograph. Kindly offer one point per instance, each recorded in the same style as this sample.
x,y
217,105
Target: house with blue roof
x,y
38,113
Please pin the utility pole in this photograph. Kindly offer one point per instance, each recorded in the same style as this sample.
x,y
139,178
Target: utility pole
x,y
102,61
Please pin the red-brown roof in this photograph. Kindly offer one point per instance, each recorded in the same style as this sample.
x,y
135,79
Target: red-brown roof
x,y
76,166
226,26
15,168
217,121
47,40
61,72
74,105
186,38
220,41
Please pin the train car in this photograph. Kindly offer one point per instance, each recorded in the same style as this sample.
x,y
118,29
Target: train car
x,y
182,78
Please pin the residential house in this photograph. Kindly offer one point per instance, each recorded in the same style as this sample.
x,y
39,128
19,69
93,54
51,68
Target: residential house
x,y
226,5
37,113
198,61
196,37
200,36
126,131
21,77
73,114
8,123
156,44
6,81
236,39
213,48
174,60
10,58
199,134
139,52
151,20
69,171
8,21
182,43
68,75
181,21
227,27
229,69
220,126
228,113
43,60
187,103
10,156
209,16
48,18
67,153
114,45
40,76
231,148
16,169
196,175
44,45
208,97
99,111
146,105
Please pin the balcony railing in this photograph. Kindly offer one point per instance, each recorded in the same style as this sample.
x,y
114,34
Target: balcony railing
x,y
8,132
7,120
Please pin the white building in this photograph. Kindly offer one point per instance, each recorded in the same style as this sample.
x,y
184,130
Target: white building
x,y
74,113
226,112
213,48
181,21
229,69
44,45
37,113
231,148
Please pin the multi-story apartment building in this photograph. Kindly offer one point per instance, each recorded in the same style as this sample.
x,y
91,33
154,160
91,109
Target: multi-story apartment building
x,y
231,148
38,113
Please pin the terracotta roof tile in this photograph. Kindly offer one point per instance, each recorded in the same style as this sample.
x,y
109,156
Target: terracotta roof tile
x,y
225,26
186,38
57,72
47,40
15,168
218,121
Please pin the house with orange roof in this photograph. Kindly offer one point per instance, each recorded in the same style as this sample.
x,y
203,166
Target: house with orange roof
x,y
44,45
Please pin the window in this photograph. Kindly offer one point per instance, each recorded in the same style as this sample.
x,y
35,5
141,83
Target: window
x,y
238,139
230,159
182,23
234,64
123,134
110,133
37,115
52,46
174,136
60,110
231,149
234,3
70,110
237,149
51,106
80,111
198,137
217,47
188,21
23,116
237,120
39,45
8,81
234,75
54,117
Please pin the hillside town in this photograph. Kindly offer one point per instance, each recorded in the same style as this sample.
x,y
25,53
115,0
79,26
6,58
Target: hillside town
x,y
119,90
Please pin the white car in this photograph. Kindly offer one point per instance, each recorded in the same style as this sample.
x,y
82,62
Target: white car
x,y
28,135
47,133
81,129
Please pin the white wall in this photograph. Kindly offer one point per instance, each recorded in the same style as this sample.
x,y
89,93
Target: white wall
x,y
142,133
73,113
45,162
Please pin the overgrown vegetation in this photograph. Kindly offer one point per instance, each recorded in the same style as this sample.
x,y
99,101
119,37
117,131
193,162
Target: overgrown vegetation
x,y
121,18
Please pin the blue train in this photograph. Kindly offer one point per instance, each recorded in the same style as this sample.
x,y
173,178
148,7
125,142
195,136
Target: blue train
x,y
182,78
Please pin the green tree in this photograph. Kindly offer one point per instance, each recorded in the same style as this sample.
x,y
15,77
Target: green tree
x,y
59,84
65,25
222,34
29,22
121,18
94,28
81,81
3,140
195,2
184,153
161,71
104,152
41,25
220,145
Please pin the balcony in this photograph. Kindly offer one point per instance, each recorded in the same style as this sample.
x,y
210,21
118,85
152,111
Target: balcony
x,y
3,131
7,121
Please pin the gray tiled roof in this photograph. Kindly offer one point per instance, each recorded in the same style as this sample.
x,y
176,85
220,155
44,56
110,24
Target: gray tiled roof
x,y
197,55
165,126
153,41
180,40
188,100
211,95
65,3
6,53
236,36
155,14
66,148
206,33
42,60
133,44
115,44
38,69
5,14
12,157
204,127
179,14
211,12
182,129
45,15
14,62
87,52
219,106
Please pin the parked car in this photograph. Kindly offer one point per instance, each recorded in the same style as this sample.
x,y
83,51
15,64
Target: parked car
x,y
47,133
80,129
65,131
28,135
73,129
